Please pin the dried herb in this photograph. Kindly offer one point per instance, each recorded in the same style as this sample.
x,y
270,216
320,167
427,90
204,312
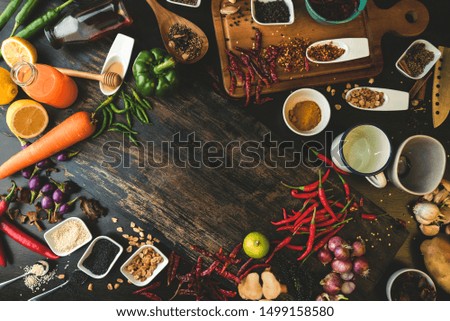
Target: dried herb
x,y
92,208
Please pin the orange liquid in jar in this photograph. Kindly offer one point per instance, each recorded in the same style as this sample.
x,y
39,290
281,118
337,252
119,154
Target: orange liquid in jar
x,y
49,86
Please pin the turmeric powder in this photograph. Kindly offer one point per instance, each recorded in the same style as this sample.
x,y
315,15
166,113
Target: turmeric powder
x,y
305,115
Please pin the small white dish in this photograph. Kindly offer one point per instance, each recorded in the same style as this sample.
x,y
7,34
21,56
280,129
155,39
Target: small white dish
x,y
396,274
48,236
185,4
306,94
119,53
394,100
355,48
290,5
88,252
158,269
428,46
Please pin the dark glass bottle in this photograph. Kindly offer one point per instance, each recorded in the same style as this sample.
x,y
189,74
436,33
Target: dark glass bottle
x,y
89,23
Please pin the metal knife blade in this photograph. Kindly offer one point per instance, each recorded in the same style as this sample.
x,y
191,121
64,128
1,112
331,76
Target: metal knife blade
x,y
441,88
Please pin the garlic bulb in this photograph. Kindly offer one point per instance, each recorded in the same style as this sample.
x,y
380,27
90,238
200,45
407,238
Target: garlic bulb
x,y
429,230
426,212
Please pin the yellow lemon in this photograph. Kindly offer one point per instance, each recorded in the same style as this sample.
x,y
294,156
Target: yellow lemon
x,y
26,118
17,49
8,89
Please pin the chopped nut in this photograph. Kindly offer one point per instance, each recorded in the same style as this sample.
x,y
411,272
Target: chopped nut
x,y
415,103
149,236
109,286
366,98
116,286
119,229
144,264
328,89
61,276
141,234
371,81
132,224
125,236
119,280
90,287
348,86
129,249
114,219
338,107
333,92
136,230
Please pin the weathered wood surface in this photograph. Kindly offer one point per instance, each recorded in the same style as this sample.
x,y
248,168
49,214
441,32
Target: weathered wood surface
x,y
183,203
372,24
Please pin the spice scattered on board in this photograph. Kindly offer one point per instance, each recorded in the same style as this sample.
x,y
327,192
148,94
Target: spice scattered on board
x,y
69,235
271,12
187,43
325,52
144,264
102,255
305,115
366,98
292,55
416,59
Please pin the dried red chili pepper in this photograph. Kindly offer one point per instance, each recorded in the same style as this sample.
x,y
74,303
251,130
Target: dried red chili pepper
x,y
310,187
174,262
210,269
369,217
151,296
152,286
26,240
258,40
252,268
248,88
2,254
233,83
234,65
198,267
227,293
228,275
201,251
4,203
258,92
311,238
306,64
244,266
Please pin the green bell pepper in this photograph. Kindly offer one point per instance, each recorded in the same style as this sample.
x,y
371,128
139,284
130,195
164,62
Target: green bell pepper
x,y
154,72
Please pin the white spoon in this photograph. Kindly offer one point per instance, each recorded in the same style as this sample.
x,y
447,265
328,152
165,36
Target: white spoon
x,y
394,100
43,263
355,48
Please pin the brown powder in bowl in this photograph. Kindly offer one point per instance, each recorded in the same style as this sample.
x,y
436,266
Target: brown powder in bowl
x,y
305,115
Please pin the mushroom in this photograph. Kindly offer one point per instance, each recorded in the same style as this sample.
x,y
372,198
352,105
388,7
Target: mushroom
x,y
250,288
33,219
429,230
272,288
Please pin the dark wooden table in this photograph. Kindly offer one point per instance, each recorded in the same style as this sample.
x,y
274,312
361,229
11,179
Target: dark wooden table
x,y
145,195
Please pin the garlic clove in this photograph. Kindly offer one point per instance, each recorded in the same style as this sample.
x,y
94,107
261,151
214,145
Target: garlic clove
x,y
429,230
446,184
232,1
447,229
227,10
426,211
420,220
445,215
428,197
441,196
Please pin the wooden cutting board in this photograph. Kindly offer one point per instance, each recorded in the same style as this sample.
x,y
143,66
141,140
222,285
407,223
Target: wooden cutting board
x,y
373,23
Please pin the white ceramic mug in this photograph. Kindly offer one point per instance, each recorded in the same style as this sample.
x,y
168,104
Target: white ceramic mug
x,y
419,165
364,150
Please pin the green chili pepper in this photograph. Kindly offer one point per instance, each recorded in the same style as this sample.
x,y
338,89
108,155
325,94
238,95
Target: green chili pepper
x,y
142,115
132,139
117,110
104,103
143,102
154,72
23,14
128,117
104,124
110,115
125,128
12,6
41,22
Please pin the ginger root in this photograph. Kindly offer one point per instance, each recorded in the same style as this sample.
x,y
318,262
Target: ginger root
x,y
250,288
436,254
272,288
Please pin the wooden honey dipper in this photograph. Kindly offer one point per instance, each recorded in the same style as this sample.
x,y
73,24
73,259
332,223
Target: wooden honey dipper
x,y
109,78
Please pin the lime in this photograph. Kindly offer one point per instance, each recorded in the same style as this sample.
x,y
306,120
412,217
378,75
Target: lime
x,y
256,245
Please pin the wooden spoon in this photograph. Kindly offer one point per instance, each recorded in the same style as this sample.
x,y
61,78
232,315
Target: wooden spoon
x,y
109,78
167,19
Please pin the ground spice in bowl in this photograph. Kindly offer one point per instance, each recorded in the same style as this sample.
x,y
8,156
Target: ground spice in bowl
x,y
305,115
272,12
416,59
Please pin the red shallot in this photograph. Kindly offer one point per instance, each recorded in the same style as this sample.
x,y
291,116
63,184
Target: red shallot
x,y
359,248
342,253
334,242
347,276
324,255
361,266
341,266
331,283
348,287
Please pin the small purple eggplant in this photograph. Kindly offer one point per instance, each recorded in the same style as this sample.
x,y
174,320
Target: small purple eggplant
x,y
27,172
65,156
67,207
47,203
44,164
48,188
58,196
35,183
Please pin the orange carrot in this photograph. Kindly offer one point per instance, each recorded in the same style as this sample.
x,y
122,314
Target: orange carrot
x,y
74,129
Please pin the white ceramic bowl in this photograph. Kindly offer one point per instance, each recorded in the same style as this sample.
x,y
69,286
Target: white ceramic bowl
x,y
290,5
428,46
88,252
305,94
185,4
396,274
158,269
51,243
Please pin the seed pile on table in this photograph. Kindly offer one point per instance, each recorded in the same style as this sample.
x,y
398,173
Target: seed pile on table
x,y
144,264
416,59
325,52
102,255
187,43
366,98
272,12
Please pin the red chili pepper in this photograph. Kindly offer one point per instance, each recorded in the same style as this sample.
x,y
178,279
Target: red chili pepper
x,y
210,269
252,268
310,187
244,266
174,262
299,221
329,162
151,296
295,247
311,238
233,83
227,293
361,202
369,217
201,251
227,275
258,90
281,245
258,40
234,65
306,64
323,199
296,194
26,240
235,251
4,203
286,219
2,254
248,88
346,187
324,241
148,288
